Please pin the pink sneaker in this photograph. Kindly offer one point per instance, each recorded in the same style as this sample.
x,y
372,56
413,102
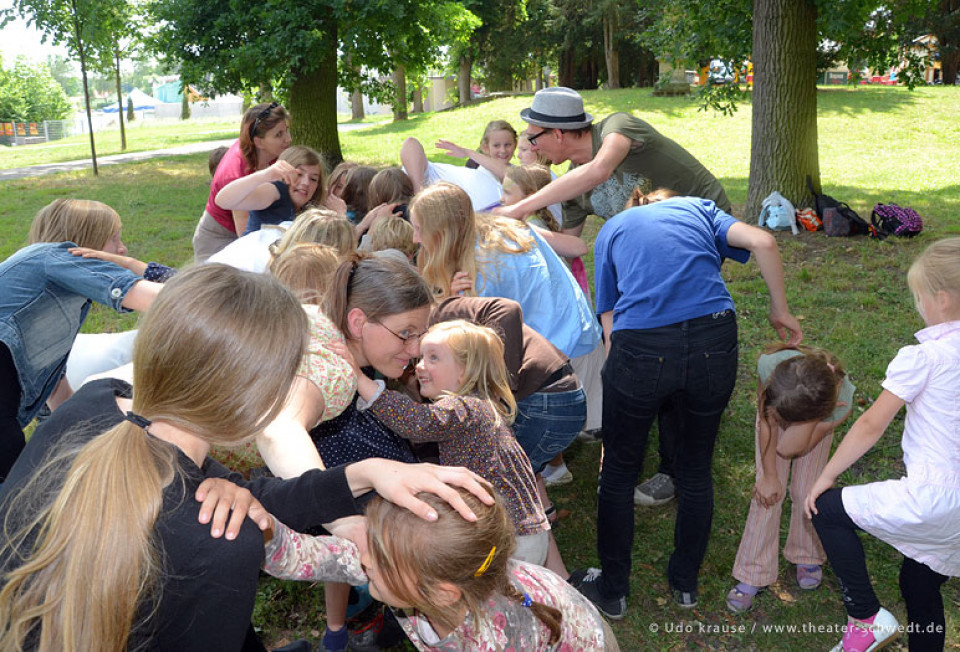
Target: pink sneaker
x,y
869,634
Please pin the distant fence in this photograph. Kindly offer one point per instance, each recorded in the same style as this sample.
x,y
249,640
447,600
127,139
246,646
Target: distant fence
x,y
28,133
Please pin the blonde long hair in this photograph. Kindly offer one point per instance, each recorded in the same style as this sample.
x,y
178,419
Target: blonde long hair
x,y
935,270
450,233
479,350
91,564
448,550
83,222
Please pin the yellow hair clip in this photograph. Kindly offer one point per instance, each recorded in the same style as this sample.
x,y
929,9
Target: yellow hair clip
x,y
486,562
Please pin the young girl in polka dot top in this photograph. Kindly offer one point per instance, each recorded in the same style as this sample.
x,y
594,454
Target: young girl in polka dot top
x,y
462,371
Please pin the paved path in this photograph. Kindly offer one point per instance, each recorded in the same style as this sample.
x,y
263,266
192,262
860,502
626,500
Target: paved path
x,y
192,148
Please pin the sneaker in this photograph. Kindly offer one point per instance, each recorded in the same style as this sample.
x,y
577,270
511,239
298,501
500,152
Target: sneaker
x,y
658,490
740,597
556,475
594,436
809,576
684,599
866,636
588,583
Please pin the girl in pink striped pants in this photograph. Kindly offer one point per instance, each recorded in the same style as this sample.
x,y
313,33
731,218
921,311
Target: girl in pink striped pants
x,y
803,394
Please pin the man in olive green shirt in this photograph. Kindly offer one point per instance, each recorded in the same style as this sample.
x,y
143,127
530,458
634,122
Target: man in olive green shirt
x,y
608,160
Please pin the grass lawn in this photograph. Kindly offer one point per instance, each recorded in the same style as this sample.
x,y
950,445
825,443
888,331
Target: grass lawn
x,y
876,145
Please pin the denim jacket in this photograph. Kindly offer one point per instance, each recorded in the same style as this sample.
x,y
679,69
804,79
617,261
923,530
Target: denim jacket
x,y
45,295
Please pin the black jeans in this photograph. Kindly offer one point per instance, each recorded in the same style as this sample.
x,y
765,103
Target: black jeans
x,y
693,363
838,535
11,435
919,584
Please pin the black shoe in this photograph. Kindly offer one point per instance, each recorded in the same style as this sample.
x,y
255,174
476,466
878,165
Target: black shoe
x,y
684,599
587,581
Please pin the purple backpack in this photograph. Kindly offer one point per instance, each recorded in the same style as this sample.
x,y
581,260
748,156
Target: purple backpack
x,y
890,219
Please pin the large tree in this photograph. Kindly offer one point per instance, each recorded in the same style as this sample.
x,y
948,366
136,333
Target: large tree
x,y
232,46
787,39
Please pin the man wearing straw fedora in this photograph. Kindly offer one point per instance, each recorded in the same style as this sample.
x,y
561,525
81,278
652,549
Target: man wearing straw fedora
x,y
608,160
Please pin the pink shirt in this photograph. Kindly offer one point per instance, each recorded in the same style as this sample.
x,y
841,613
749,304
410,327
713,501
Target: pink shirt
x,y
232,167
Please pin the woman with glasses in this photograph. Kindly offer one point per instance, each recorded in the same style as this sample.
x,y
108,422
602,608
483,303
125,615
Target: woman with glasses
x,y
264,135
381,306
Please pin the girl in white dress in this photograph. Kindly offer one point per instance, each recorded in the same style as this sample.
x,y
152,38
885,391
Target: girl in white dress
x,y
919,514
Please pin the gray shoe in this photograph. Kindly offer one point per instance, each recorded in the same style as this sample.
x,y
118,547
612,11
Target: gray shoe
x,y
658,490
594,436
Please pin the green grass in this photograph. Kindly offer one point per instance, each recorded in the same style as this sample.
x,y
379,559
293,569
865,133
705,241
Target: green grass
x,y
141,136
876,144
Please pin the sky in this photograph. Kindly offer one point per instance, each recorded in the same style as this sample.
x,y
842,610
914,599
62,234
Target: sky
x,y
18,39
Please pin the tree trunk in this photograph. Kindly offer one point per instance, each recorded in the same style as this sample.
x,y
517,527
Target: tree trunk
x,y
313,98
123,131
947,30
783,148
185,103
86,85
400,99
539,78
418,100
356,95
611,26
266,92
463,79
356,106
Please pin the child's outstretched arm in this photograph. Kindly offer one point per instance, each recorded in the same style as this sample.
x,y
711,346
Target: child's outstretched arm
x,y
138,267
294,556
495,165
255,191
862,436
566,245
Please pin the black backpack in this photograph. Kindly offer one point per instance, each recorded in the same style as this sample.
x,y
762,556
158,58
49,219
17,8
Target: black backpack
x,y
850,222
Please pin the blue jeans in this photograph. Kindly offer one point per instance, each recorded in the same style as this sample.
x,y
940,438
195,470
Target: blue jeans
x,y
547,423
694,364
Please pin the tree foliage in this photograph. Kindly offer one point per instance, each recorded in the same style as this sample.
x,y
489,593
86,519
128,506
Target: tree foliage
x,y
29,93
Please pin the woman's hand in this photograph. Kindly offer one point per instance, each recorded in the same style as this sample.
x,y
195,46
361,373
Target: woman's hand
x,y
768,492
453,149
220,498
400,483
810,504
461,284
786,325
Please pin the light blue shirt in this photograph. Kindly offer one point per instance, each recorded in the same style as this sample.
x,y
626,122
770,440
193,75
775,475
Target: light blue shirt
x,y
553,303
45,295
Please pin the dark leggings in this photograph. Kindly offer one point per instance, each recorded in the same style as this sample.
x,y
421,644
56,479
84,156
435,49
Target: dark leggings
x,y
11,435
920,588
919,584
840,540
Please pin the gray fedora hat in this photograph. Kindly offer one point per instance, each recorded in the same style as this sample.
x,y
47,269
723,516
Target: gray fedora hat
x,y
557,107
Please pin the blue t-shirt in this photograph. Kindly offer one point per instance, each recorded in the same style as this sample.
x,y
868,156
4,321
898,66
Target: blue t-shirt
x,y
281,210
553,303
660,264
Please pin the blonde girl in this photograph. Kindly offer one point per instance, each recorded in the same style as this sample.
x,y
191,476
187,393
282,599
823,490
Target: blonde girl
x,y
393,233
462,371
522,181
105,547
45,296
456,585
802,395
481,184
280,192
918,514
307,269
527,156
321,226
